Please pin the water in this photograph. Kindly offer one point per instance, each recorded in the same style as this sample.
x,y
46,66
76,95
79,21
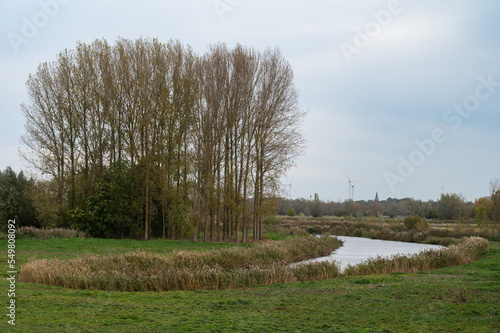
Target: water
x,y
356,250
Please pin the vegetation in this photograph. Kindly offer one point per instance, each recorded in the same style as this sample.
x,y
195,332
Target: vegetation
x,y
143,136
316,207
71,248
391,208
411,231
36,233
450,207
466,251
494,210
264,263
415,223
453,299
16,199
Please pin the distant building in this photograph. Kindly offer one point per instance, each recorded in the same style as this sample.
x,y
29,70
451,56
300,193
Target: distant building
x,y
376,197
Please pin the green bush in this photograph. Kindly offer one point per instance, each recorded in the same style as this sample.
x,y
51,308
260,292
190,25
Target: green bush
x,y
415,223
290,212
272,220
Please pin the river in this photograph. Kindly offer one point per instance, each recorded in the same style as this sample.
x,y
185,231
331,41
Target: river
x,y
357,249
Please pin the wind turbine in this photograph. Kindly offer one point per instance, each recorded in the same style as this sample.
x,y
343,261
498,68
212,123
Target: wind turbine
x,y
351,183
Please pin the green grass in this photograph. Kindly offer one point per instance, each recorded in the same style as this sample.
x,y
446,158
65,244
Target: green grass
x,y
76,247
455,299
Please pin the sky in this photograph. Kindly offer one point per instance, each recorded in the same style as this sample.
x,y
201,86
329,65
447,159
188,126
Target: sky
x,y
402,95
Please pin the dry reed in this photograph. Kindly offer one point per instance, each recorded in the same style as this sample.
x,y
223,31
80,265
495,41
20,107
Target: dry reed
x,y
36,233
262,264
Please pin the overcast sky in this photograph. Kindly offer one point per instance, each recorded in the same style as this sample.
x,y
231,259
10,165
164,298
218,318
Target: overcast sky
x,y
402,95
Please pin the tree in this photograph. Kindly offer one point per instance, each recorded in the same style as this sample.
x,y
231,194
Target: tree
x,y
16,199
482,208
495,200
415,223
375,208
452,207
209,137
316,208
115,208
290,212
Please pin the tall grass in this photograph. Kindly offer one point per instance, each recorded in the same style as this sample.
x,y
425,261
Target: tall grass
x,y
265,263
466,251
36,233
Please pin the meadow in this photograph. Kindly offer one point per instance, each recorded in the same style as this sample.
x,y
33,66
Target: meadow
x,y
461,298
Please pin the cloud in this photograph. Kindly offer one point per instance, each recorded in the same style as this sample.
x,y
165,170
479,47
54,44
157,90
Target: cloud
x,y
363,114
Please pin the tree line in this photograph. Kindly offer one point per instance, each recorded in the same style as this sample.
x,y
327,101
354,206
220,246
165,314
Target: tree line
x,y
144,138
450,206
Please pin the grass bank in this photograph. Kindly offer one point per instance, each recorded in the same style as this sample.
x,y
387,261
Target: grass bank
x,y
453,299
70,248
237,267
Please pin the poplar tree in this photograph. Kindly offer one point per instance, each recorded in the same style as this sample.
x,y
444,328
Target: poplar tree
x,y
208,136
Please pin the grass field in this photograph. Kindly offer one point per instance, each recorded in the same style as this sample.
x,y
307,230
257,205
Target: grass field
x,y
456,299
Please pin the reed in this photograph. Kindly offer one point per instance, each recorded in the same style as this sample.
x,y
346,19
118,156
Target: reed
x,y
36,233
262,264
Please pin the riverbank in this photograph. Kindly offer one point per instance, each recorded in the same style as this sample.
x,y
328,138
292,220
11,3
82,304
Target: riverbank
x,y
453,299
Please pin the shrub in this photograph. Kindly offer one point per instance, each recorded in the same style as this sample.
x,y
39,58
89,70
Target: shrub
x,y
272,220
290,212
415,223
298,232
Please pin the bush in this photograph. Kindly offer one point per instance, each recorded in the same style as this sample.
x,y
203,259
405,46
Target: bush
x,y
115,207
415,223
15,200
290,212
298,232
272,220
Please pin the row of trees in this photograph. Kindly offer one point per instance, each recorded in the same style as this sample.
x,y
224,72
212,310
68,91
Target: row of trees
x,y
316,208
147,137
117,197
488,208
450,206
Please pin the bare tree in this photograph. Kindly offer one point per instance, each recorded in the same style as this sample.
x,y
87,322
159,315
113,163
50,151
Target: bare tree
x,y
209,135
